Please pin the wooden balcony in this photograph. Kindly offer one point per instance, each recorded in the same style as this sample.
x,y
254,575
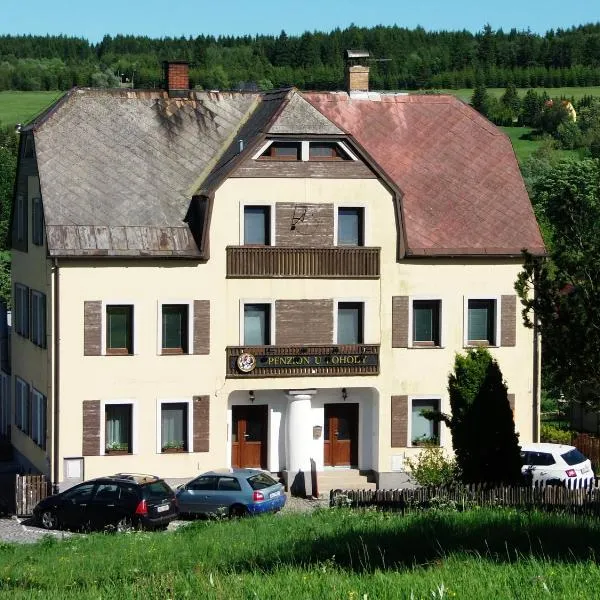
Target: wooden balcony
x,y
249,362
349,262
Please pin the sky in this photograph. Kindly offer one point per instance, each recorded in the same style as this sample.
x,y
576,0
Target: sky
x,y
92,19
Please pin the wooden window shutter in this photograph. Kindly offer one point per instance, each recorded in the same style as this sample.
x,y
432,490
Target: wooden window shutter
x,y
91,428
201,327
399,409
201,409
400,322
511,402
508,321
92,328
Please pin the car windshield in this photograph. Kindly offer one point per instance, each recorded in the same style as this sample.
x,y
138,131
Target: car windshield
x,y
573,457
156,490
261,481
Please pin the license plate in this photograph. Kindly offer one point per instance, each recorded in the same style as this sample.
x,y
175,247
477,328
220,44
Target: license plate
x,y
275,494
162,508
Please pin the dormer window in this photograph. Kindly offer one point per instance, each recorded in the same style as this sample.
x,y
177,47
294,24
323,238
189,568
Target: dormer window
x,y
326,151
283,151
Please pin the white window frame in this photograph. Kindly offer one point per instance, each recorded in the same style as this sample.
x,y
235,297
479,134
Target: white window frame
x,y
120,302
411,300
20,408
190,423
366,221
134,420
305,148
22,309
272,208
39,414
497,332
38,318
409,427
5,409
190,307
271,302
365,302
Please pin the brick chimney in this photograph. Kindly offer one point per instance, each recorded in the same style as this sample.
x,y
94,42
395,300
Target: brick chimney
x,y
357,72
177,78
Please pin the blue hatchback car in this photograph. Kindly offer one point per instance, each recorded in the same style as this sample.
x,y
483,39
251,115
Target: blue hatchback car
x,y
235,492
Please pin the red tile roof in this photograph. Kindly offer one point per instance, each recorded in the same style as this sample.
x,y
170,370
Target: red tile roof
x,y
462,192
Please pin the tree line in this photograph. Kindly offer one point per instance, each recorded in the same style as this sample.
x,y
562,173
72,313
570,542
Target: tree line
x,y
314,60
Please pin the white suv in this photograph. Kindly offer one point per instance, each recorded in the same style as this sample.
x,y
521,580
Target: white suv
x,y
555,463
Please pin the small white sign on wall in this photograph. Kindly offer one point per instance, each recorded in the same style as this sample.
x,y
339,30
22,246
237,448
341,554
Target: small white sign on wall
x,y
397,462
73,468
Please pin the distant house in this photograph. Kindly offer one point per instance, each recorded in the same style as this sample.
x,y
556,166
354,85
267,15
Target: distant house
x,y
567,105
207,279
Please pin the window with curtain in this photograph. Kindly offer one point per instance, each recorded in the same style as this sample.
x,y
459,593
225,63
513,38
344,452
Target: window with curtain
x,y
426,323
174,426
175,329
117,427
482,322
257,225
350,323
350,227
257,324
424,431
119,329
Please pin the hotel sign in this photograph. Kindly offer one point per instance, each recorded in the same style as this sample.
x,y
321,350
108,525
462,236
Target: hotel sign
x,y
273,361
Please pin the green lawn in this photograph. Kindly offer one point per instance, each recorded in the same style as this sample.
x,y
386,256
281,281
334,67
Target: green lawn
x,y
337,554
21,107
567,92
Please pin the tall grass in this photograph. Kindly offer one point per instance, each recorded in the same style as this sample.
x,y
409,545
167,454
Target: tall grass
x,y
331,554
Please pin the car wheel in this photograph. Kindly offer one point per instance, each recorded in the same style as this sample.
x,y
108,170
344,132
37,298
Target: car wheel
x,y
237,511
124,524
48,519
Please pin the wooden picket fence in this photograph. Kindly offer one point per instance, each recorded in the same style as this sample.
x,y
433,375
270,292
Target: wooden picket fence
x,y
20,493
583,498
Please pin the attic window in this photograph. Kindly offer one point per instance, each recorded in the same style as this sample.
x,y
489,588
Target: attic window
x,y
326,151
282,151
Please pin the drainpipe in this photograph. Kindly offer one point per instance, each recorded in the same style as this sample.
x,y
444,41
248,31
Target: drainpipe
x,y
536,361
55,378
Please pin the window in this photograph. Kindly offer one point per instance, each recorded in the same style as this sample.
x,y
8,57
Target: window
x,y
326,151
5,404
21,218
22,405
37,222
119,329
38,319
481,322
22,309
539,459
80,493
350,226
257,225
426,323
38,418
118,428
229,484
282,151
350,322
175,329
28,147
423,431
174,426
203,483
257,324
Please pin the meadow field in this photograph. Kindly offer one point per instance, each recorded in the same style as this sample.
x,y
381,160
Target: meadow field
x,y
328,554
21,107
563,92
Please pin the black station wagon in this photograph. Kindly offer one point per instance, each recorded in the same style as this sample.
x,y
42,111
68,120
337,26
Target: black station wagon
x,y
120,502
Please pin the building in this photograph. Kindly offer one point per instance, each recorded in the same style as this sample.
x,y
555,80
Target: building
x,y
207,279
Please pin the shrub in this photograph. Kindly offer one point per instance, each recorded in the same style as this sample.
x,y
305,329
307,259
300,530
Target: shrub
x,y
551,433
431,467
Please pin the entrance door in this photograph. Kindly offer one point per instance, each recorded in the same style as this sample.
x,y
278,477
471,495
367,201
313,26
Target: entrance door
x,y
340,438
249,436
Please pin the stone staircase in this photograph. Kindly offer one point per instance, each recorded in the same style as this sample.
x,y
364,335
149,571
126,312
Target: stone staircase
x,y
343,479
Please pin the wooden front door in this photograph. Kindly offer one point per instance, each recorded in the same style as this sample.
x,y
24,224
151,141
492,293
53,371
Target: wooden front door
x,y
249,436
340,438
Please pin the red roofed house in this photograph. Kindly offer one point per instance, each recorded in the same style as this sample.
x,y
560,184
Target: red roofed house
x,y
206,279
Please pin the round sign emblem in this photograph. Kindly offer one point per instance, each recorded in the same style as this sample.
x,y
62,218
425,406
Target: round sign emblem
x,y
246,362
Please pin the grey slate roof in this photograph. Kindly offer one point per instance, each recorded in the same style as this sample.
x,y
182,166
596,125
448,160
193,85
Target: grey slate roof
x,y
118,168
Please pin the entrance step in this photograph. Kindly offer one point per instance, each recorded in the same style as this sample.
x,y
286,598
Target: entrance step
x,y
343,479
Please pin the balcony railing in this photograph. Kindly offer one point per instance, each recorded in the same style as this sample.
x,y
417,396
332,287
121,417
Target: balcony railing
x,y
352,262
302,361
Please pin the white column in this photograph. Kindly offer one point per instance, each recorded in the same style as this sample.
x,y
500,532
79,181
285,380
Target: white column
x,y
298,431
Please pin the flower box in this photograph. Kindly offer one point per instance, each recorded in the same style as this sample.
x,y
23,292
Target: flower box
x,y
115,452
173,450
